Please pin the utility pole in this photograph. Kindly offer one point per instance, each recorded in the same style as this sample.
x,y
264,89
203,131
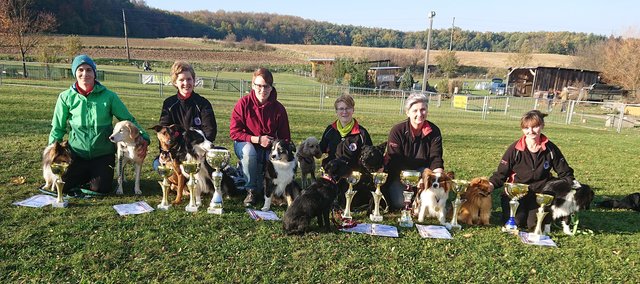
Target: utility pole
x,y
126,39
451,41
426,56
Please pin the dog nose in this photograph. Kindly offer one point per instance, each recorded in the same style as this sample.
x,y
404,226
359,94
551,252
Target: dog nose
x,y
111,138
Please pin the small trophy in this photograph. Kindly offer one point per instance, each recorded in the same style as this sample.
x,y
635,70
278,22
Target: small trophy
x,y
165,172
191,168
378,180
59,169
459,187
515,191
410,178
352,179
542,200
217,159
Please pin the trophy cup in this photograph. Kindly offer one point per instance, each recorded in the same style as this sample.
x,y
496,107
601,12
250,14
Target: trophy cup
x,y
459,187
352,179
515,191
165,172
542,200
59,169
410,178
378,180
191,168
217,159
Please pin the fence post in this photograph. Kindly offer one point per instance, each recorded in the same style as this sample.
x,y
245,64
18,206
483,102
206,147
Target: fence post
x,y
535,104
572,105
439,100
241,87
485,107
506,106
322,93
161,84
621,119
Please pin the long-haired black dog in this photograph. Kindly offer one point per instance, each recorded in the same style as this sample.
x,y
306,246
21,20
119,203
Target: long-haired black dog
x,y
370,159
316,200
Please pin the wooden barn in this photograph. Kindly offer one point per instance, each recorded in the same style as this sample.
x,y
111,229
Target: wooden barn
x,y
527,81
384,77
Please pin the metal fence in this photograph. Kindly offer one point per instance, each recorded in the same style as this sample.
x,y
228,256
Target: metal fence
x,y
597,115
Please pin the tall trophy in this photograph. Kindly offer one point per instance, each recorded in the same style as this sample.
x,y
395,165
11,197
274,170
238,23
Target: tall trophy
x,y
217,159
515,191
352,179
191,168
165,172
410,178
59,169
542,200
378,180
459,187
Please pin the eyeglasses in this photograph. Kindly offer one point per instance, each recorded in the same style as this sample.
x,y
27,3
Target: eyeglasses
x,y
258,86
344,109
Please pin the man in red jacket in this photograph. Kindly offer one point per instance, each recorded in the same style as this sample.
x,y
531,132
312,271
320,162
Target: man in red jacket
x,y
257,120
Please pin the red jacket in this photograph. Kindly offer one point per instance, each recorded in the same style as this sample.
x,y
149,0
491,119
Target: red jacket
x,y
251,119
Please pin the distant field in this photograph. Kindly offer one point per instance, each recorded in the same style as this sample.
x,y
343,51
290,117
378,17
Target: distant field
x,y
209,51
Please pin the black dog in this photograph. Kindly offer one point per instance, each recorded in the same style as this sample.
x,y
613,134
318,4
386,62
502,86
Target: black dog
x,y
316,200
631,201
371,159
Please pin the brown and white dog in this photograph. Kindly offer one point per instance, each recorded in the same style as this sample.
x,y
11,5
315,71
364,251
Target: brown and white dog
x,y
128,141
476,209
55,153
431,199
172,152
307,152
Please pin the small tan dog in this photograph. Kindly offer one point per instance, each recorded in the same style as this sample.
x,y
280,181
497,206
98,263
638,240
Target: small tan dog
x,y
307,152
476,209
128,140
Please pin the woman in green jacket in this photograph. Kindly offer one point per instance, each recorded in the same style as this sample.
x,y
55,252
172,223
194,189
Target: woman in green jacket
x,y
88,108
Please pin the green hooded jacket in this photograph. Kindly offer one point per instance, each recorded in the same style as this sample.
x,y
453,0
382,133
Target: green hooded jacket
x,y
90,119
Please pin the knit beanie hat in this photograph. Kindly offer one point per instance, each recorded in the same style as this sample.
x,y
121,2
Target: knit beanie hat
x,y
82,59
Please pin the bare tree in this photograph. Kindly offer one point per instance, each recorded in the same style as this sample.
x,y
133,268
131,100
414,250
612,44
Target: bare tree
x,y
589,57
522,58
23,27
622,64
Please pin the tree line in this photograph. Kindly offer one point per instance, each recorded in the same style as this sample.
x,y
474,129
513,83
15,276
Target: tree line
x,y
104,18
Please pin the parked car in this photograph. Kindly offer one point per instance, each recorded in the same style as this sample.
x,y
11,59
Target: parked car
x,y
495,84
501,89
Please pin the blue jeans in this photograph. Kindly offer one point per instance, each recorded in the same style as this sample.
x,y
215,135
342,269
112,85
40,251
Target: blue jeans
x,y
252,159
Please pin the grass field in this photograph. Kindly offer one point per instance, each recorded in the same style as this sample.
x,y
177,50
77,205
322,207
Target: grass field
x,y
89,242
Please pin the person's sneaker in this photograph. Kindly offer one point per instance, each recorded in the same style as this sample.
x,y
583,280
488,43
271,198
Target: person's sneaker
x,y
250,200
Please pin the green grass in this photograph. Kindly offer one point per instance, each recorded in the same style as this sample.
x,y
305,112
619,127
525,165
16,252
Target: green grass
x,y
89,242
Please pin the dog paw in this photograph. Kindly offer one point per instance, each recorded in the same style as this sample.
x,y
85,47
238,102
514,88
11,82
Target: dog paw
x,y
265,209
119,191
447,225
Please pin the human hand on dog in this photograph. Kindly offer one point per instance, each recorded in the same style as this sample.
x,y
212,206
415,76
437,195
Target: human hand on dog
x,y
265,140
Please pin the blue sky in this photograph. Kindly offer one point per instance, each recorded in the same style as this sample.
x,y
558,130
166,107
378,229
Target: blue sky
x,y
598,17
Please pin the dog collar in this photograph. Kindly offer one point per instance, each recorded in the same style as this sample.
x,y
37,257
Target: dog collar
x,y
329,179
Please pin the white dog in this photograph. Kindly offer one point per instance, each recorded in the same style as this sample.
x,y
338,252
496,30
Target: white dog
x,y
128,140
307,152
431,198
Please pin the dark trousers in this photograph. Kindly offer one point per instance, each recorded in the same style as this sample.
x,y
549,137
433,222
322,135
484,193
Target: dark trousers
x,y
98,172
526,212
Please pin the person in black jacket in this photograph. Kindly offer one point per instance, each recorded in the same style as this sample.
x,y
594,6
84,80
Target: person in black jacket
x,y
187,108
414,144
529,160
344,137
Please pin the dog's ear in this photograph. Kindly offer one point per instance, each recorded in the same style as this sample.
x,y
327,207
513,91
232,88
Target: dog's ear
x,y
451,175
64,143
382,146
157,128
133,130
292,146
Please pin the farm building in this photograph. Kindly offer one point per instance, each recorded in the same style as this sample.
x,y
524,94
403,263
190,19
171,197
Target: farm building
x,y
384,77
528,81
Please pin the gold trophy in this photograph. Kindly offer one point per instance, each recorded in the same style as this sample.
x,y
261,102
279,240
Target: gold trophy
x,y
352,179
59,169
459,187
410,178
542,200
378,180
217,159
191,168
165,172
515,191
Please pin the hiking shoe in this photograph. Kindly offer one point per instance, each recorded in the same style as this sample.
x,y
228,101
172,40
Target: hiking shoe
x,y
250,200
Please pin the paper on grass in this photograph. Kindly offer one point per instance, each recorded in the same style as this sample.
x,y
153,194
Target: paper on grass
x,y
262,215
544,240
36,201
133,208
433,231
373,229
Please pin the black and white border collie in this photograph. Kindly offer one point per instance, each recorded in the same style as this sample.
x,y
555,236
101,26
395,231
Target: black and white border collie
x,y
279,173
569,199
197,145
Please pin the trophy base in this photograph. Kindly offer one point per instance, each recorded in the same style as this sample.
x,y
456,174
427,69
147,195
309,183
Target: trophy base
x,y
346,216
455,227
190,208
510,230
215,210
375,218
63,204
163,207
405,223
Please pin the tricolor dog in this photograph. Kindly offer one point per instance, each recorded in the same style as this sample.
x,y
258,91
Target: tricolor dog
x,y
279,173
128,141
